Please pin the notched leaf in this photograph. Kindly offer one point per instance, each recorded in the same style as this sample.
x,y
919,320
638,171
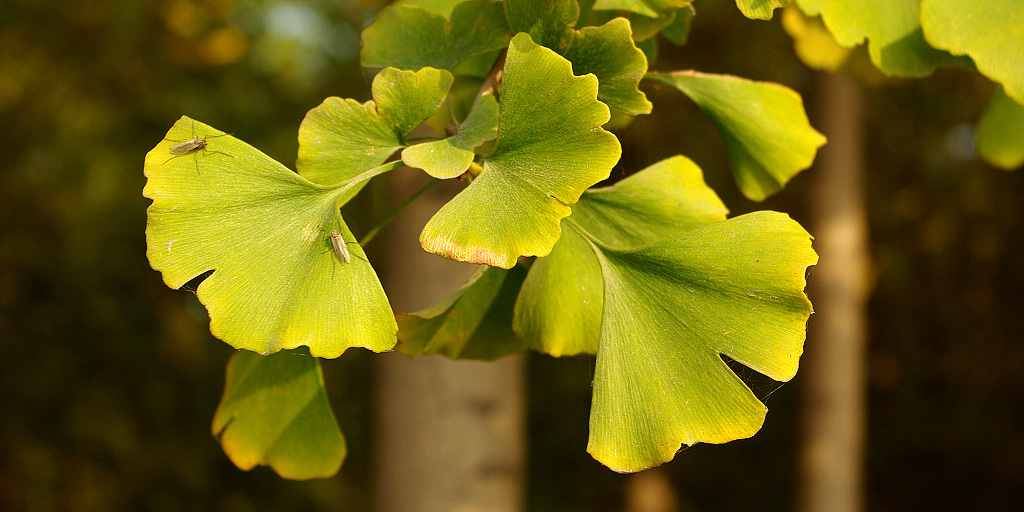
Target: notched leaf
x,y
734,288
549,149
452,156
263,230
764,126
342,138
274,412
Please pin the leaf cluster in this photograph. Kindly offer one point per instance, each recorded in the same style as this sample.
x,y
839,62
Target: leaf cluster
x,y
649,273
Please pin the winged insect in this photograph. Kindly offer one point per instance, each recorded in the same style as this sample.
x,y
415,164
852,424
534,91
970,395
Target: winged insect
x,y
192,146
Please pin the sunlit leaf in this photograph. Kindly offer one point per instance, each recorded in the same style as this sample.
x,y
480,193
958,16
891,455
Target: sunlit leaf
x,y
550,148
474,323
763,124
609,53
1000,136
732,288
341,138
664,200
991,32
451,156
892,29
559,308
263,232
410,37
275,413
760,9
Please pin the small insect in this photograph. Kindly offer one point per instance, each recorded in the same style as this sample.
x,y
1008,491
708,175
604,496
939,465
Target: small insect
x,y
193,146
339,247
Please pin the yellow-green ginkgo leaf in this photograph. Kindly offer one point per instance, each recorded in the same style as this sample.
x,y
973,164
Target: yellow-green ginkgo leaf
x,y
607,51
560,305
341,138
550,148
672,309
450,157
764,126
760,9
275,413
410,37
264,235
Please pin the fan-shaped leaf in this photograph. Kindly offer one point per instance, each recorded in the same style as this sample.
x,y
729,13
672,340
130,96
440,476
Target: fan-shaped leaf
x,y
733,288
760,9
451,157
560,306
764,127
609,53
263,232
549,22
649,8
550,148
275,413
341,138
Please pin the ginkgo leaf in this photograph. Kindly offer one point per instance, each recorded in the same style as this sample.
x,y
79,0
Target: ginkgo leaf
x,y
275,413
450,157
550,148
264,233
990,32
607,51
671,310
764,126
892,28
410,37
341,138
1000,135
760,9
560,306
474,323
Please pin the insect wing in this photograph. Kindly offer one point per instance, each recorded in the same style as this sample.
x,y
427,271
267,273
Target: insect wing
x,y
188,146
339,247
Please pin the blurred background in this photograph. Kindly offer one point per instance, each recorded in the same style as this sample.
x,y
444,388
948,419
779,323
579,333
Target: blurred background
x,y
110,378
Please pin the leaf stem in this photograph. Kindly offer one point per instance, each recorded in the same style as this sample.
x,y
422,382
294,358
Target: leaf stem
x,y
398,209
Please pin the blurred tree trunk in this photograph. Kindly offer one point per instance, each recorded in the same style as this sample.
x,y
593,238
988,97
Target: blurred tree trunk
x,y
651,491
833,374
448,434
